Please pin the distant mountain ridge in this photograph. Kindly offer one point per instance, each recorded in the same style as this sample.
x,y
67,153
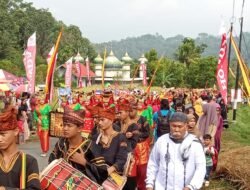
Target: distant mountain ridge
x,y
135,46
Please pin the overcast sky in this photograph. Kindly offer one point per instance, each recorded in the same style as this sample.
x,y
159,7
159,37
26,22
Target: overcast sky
x,y
106,20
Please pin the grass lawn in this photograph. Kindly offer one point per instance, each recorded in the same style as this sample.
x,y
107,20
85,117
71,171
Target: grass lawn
x,y
237,135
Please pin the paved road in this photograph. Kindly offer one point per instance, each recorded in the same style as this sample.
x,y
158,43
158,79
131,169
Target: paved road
x,y
33,148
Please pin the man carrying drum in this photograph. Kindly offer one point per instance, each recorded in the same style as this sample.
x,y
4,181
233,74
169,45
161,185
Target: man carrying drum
x,y
76,150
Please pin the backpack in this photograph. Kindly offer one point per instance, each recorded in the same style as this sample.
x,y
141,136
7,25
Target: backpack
x,y
214,158
163,126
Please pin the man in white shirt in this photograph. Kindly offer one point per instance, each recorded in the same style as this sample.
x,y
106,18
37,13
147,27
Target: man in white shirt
x,y
177,160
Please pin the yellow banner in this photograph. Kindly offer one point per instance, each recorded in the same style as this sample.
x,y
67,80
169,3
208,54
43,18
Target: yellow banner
x,y
243,71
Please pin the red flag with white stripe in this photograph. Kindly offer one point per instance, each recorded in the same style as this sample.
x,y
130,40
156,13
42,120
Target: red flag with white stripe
x,y
88,71
68,73
222,68
29,61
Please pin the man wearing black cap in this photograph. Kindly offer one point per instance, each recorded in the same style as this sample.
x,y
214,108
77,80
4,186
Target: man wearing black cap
x,y
177,161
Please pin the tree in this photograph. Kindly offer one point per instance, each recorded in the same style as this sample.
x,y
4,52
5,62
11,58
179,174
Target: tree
x,y
19,20
167,79
41,73
203,73
170,73
152,55
188,52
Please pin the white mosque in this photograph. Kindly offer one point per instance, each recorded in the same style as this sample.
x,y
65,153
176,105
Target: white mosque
x,y
117,70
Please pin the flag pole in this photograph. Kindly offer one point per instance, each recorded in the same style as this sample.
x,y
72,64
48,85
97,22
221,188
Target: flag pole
x,y
136,70
238,65
152,79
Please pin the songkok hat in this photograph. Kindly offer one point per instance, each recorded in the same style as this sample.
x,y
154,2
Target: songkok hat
x,y
108,113
8,119
75,117
179,117
124,105
94,109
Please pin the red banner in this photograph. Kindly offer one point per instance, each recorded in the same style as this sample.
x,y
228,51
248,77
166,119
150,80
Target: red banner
x,y
68,73
88,71
29,61
79,73
144,71
222,68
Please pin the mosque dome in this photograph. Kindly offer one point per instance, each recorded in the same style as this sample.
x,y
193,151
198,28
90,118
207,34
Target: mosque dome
x,y
126,58
112,61
98,59
78,57
143,59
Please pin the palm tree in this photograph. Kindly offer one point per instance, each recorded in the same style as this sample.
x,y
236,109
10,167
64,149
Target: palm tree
x,y
167,80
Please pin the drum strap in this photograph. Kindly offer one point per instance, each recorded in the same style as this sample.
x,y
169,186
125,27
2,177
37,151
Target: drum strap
x,y
23,172
78,147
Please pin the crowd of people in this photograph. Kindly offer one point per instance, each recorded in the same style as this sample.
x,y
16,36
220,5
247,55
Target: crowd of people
x,y
162,140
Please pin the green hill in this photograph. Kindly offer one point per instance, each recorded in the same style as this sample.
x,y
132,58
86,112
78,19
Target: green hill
x,y
135,46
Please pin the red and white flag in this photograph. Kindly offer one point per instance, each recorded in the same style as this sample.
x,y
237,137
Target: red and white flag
x,y
29,61
79,58
68,73
79,73
50,54
222,68
144,71
88,71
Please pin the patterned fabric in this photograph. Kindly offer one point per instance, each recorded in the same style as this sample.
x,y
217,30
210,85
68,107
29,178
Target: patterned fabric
x,y
108,113
124,105
8,119
76,117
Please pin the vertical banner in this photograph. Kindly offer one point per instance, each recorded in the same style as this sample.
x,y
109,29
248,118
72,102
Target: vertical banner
x,y
222,68
88,71
68,72
79,73
79,58
241,63
52,80
50,70
50,54
144,71
29,61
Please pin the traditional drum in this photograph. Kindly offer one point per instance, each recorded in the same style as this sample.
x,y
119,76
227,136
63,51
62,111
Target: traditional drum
x,y
60,175
56,124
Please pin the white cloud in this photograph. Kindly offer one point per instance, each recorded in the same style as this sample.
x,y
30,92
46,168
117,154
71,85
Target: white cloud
x,y
103,20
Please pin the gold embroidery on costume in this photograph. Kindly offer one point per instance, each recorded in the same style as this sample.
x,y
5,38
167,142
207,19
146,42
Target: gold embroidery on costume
x,y
9,167
32,176
107,144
